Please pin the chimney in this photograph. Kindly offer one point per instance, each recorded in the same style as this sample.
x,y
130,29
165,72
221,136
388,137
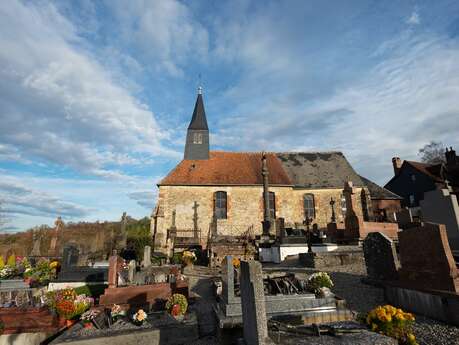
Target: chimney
x,y
451,157
397,164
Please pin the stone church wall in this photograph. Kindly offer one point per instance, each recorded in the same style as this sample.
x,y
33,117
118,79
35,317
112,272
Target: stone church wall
x,y
244,208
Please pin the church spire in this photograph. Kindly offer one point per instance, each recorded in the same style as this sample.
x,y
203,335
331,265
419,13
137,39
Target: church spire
x,y
197,138
199,121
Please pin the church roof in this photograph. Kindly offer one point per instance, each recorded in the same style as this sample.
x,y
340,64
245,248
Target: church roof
x,y
319,169
311,170
379,193
227,168
199,120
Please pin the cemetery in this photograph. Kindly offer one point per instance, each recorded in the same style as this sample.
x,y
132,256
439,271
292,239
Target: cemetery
x,y
355,282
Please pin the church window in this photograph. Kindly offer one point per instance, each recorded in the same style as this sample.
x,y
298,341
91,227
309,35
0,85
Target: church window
x,y
272,205
308,204
220,208
197,138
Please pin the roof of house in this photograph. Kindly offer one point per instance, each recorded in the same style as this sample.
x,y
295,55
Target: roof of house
x,y
227,168
199,120
319,169
431,170
378,192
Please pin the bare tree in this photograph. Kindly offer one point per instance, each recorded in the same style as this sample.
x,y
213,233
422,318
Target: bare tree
x,y
432,153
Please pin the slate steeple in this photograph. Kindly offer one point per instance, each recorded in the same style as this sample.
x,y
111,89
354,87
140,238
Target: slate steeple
x,y
197,138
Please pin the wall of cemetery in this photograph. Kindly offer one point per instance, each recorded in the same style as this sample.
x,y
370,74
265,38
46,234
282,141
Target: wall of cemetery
x,y
244,208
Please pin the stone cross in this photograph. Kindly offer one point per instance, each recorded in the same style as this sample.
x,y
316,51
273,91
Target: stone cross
x,y
380,257
174,213
123,234
333,216
255,325
36,238
147,256
131,270
266,213
53,249
195,219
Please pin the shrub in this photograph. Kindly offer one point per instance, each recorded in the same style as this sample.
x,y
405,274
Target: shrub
x,y
177,299
392,322
319,280
2,262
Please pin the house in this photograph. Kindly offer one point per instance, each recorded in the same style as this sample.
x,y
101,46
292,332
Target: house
x,y
218,192
412,179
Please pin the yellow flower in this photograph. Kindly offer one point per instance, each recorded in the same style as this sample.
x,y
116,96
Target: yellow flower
x,y
411,337
374,327
54,264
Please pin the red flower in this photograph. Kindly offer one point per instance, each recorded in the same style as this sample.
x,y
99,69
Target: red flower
x,y
175,311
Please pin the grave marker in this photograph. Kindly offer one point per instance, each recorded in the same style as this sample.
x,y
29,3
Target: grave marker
x,y
147,256
426,259
255,324
380,257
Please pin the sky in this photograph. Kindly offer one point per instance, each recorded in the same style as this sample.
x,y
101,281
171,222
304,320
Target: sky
x,y
96,96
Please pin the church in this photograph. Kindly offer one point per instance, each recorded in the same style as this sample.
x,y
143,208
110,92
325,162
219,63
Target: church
x,y
220,192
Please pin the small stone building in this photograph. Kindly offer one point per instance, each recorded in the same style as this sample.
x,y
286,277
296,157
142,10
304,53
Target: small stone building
x,y
221,193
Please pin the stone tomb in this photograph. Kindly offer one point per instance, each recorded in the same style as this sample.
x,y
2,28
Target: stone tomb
x,y
426,259
229,310
380,257
70,272
140,290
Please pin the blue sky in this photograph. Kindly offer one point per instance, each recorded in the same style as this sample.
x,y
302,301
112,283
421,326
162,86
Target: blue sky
x,y
95,96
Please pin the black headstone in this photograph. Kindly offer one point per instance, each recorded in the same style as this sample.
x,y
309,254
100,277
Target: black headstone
x,y
70,256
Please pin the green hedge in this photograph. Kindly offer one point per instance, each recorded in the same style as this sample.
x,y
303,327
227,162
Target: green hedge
x,y
91,290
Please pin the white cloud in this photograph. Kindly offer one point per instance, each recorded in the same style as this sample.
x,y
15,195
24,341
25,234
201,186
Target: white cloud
x,y
59,104
414,19
402,103
165,32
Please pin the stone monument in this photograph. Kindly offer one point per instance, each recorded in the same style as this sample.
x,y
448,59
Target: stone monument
x,y
380,257
147,256
255,324
426,259
440,206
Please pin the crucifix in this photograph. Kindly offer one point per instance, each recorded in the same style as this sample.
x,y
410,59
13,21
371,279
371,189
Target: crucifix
x,y
332,204
307,222
195,219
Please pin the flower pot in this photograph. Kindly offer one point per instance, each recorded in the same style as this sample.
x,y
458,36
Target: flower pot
x,y
87,325
70,323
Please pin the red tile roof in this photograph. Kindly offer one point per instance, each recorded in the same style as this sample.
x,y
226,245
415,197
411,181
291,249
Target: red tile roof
x,y
227,168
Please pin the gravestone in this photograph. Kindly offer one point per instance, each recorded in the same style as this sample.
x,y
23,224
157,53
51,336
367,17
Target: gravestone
x,y
131,270
380,257
404,217
70,257
147,256
440,206
36,239
426,259
255,324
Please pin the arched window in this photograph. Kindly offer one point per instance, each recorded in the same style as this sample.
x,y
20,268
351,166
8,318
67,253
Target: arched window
x,y
220,205
272,205
308,205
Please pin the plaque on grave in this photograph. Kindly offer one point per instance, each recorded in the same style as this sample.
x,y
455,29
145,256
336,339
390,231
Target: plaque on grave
x,y
101,321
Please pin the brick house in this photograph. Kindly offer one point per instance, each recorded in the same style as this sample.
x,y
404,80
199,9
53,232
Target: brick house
x,y
217,192
412,179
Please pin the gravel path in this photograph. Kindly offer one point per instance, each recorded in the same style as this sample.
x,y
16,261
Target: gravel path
x,y
362,298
